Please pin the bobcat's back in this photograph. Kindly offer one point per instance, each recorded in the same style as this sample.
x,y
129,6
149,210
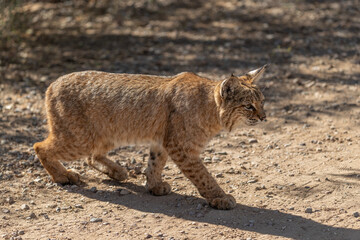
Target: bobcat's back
x,y
108,110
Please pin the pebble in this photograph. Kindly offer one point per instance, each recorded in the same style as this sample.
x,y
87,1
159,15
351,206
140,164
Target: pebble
x,y
207,160
302,144
221,153
199,215
53,205
10,200
319,149
147,236
219,175
79,206
356,214
5,210
252,181
308,210
199,206
31,216
94,220
253,140
93,189
216,159
25,207
124,192
260,187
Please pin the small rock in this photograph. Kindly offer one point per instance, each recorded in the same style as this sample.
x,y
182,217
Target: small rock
x,y
25,207
94,220
124,192
291,208
219,175
260,187
199,206
147,236
93,189
58,209
21,232
199,215
302,144
221,153
79,206
10,200
5,210
207,160
31,216
216,159
252,181
253,140
251,223
356,214
308,210
319,149
52,205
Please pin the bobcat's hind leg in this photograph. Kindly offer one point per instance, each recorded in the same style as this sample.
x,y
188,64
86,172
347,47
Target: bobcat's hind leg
x,y
49,153
156,163
104,165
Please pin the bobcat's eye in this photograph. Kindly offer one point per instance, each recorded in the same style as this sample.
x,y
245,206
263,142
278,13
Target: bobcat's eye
x,y
250,108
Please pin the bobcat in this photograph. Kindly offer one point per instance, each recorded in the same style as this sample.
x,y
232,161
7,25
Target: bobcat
x,y
89,113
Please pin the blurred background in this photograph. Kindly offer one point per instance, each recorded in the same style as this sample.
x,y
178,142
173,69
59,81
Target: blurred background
x,y
41,40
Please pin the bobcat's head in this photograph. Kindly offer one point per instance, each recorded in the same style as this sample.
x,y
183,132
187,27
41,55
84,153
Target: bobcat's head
x,y
240,101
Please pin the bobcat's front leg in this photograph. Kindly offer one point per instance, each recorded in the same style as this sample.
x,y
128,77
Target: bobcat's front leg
x,y
156,163
194,169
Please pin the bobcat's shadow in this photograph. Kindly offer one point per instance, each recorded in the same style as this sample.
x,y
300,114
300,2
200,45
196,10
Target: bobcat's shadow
x,y
247,218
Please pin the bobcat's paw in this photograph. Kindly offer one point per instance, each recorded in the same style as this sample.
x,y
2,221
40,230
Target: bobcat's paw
x,y
223,203
70,177
161,189
119,173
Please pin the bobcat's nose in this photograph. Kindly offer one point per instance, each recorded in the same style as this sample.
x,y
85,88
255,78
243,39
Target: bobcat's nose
x,y
262,118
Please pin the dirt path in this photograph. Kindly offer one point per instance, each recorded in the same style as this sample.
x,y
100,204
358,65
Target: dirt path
x,y
296,176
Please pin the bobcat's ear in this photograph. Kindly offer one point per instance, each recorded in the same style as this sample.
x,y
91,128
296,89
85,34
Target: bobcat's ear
x,y
228,86
256,74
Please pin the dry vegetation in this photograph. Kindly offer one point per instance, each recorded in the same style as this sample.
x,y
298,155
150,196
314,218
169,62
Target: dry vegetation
x,y
295,177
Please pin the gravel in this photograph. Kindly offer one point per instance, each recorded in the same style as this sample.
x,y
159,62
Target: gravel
x,y
10,200
308,210
253,140
216,159
5,210
25,207
356,214
124,192
31,216
95,220
252,181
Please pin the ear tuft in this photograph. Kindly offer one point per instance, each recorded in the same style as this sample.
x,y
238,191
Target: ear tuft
x,y
256,74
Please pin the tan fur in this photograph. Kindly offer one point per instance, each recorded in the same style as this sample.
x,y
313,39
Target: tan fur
x,y
90,113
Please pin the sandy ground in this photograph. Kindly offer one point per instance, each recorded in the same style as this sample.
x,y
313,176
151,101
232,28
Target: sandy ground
x,y
296,176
